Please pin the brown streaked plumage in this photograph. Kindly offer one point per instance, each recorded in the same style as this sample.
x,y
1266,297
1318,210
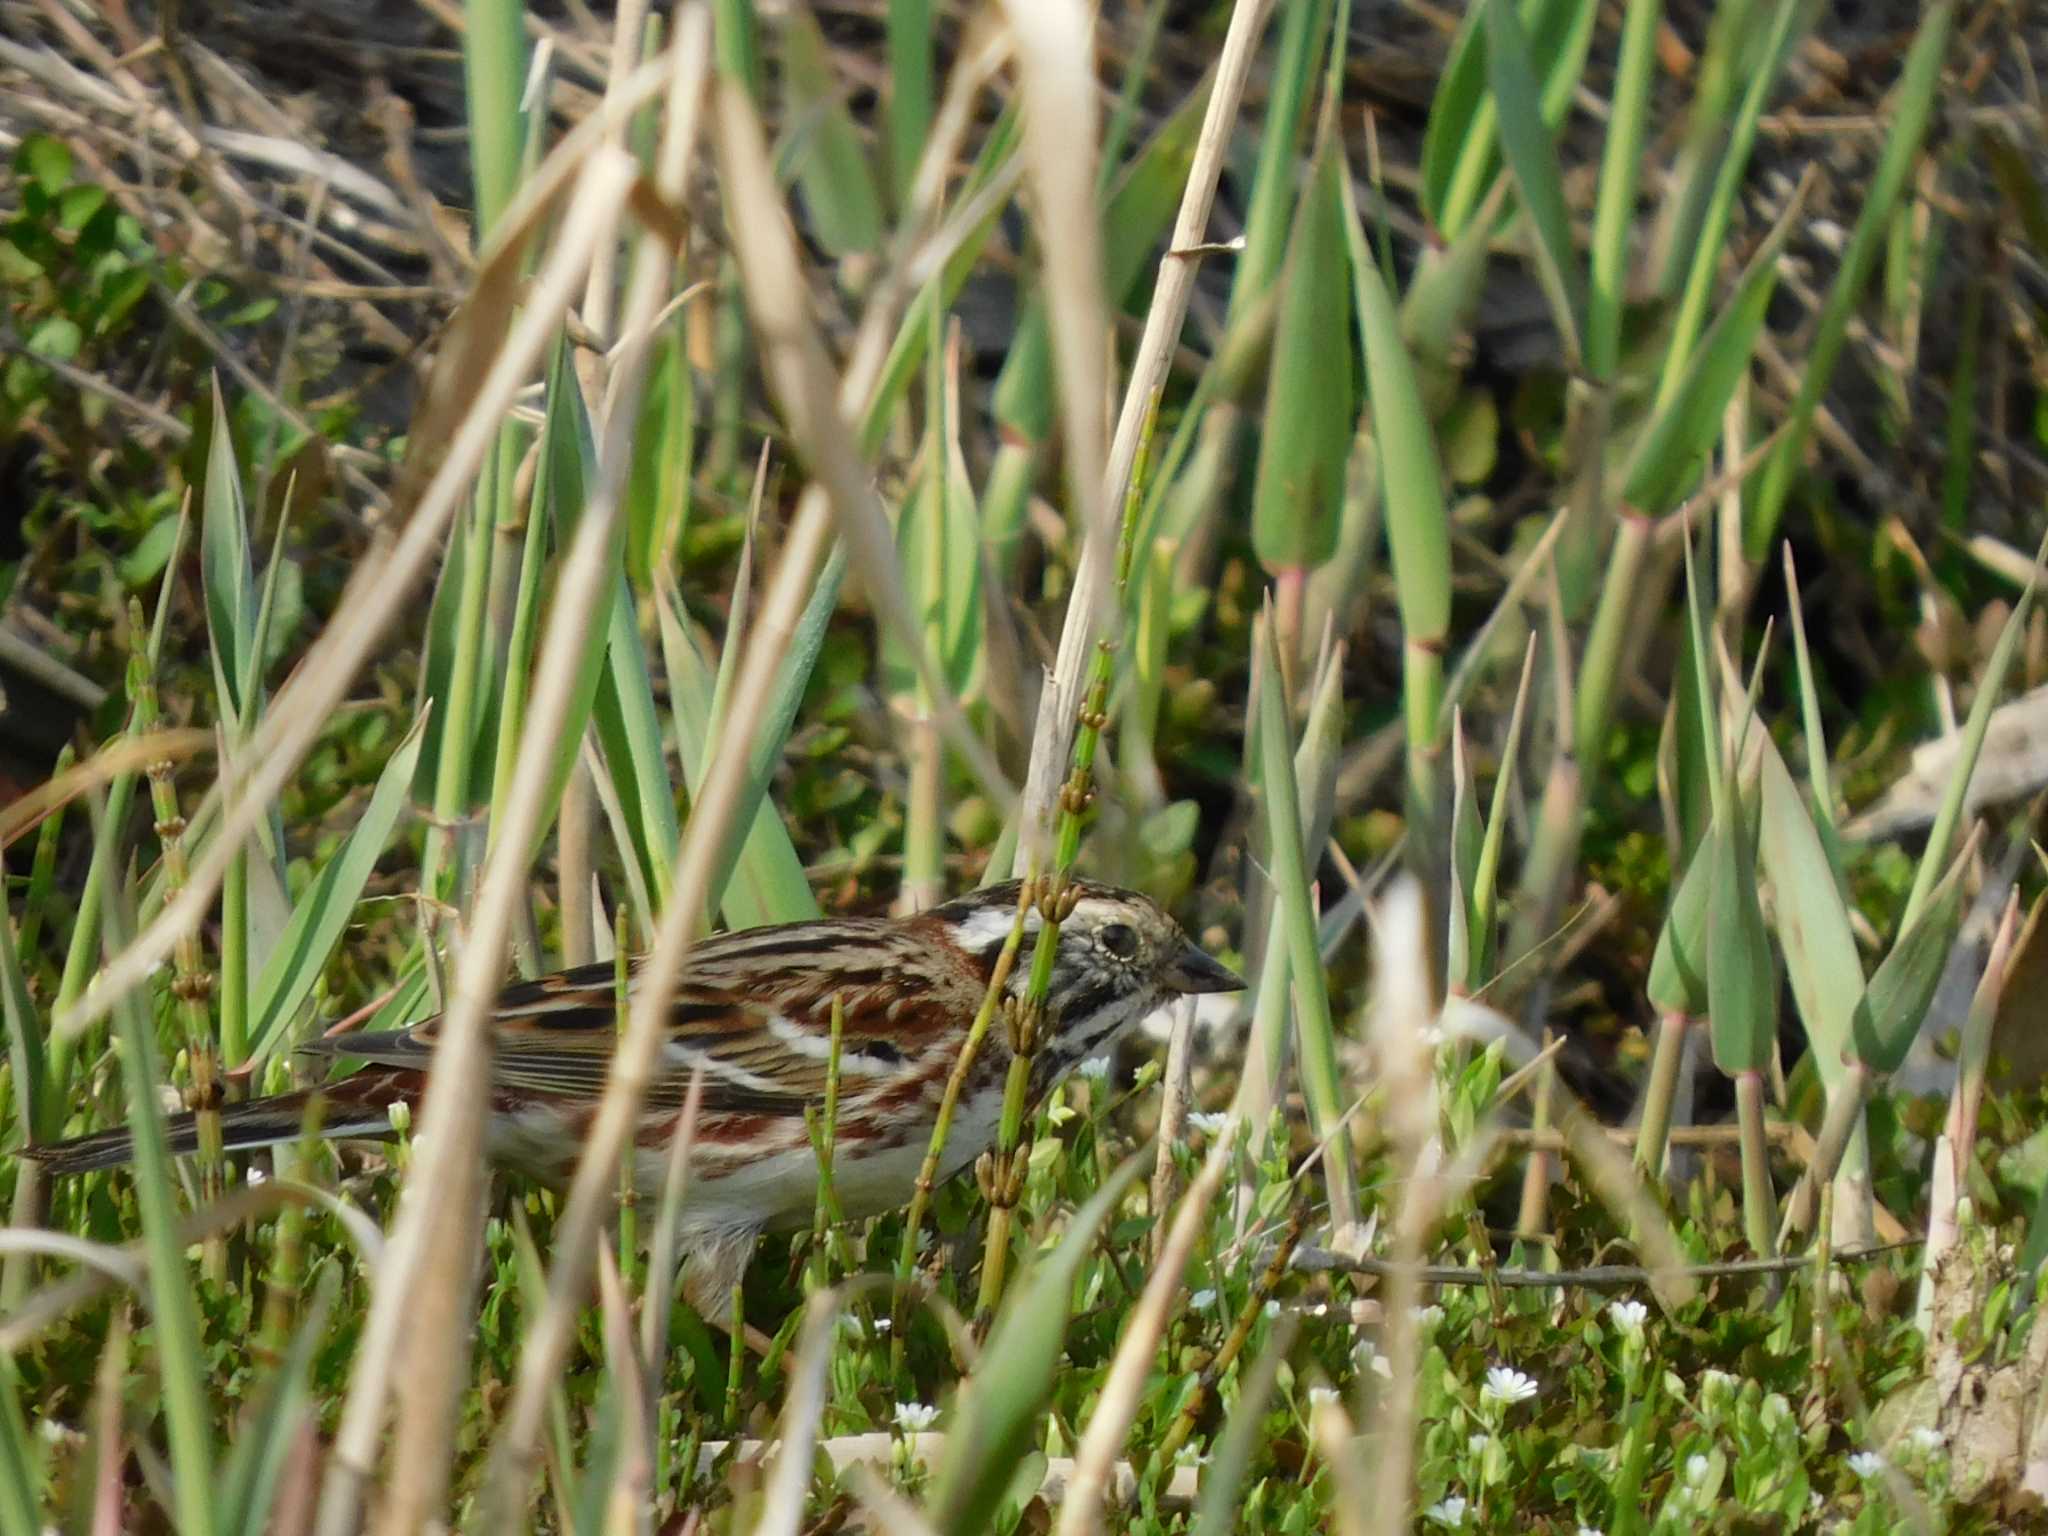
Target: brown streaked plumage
x,y
753,1012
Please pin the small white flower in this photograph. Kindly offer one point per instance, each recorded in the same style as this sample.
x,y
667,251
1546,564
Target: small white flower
x,y
1866,1464
1272,1308
913,1417
1450,1512
255,1175
1095,1068
1202,1300
1426,1318
1629,1317
1475,1445
1696,1469
1929,1439
1210,1122
1505,1384
1590,1530
884,1324
1322,1397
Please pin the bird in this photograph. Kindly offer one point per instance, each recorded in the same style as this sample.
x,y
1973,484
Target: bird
x,y
752,1012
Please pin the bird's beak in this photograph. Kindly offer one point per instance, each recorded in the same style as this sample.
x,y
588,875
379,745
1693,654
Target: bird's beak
x,y
1193,971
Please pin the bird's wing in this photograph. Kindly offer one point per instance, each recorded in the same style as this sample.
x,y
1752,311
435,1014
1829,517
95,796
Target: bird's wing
x,y
752,1011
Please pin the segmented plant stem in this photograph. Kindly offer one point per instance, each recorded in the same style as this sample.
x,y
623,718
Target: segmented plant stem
x,y
191,984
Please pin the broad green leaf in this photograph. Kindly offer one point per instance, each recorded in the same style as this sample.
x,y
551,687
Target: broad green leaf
x,y
1678,968
1741,988
1813,921
1902,987
1305,438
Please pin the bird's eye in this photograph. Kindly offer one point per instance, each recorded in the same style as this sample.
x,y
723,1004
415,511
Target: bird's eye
x,y
1120,941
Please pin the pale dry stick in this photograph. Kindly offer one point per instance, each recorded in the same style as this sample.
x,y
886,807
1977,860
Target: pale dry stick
x,y
801,379
633,1066
442,1201
461,1058
803,1408
629,1503
1401,1016
1337,1442
887,1509
1059,706
386,574
658,1294
640,1048
1173,1109
1117,1406
627,31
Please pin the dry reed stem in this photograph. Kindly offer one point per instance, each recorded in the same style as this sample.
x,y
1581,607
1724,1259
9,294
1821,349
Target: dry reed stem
x,y
1173,1107
1117,1405
442,1200
1077,316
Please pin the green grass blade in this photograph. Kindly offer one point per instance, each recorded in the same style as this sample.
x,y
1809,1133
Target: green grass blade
x,y
1322,1077
629,730
912,39
1813,923
323,912
832,169
1915,107
1305,438
1531,154
181,1361
227,575
1621,160
255,1464
1666,461
1001,1409
494,71
1741,987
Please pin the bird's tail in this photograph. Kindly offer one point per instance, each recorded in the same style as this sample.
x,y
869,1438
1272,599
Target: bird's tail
x,y
354,1107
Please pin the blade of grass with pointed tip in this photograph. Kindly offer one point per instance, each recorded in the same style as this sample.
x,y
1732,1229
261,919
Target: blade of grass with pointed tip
x,y
1621,161
1001,1408
1989,687
323,912
1813,922
629,730
1913,108
1820,793
1902,987
1666,459
832,169
1322,1078
1531,153
1741,988
1305,436
1418,523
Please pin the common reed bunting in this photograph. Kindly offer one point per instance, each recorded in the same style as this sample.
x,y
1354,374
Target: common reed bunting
x,y
753,1010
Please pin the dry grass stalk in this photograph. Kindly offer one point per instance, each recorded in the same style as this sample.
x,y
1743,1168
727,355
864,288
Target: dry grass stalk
x,y
1117,1406
1076,310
